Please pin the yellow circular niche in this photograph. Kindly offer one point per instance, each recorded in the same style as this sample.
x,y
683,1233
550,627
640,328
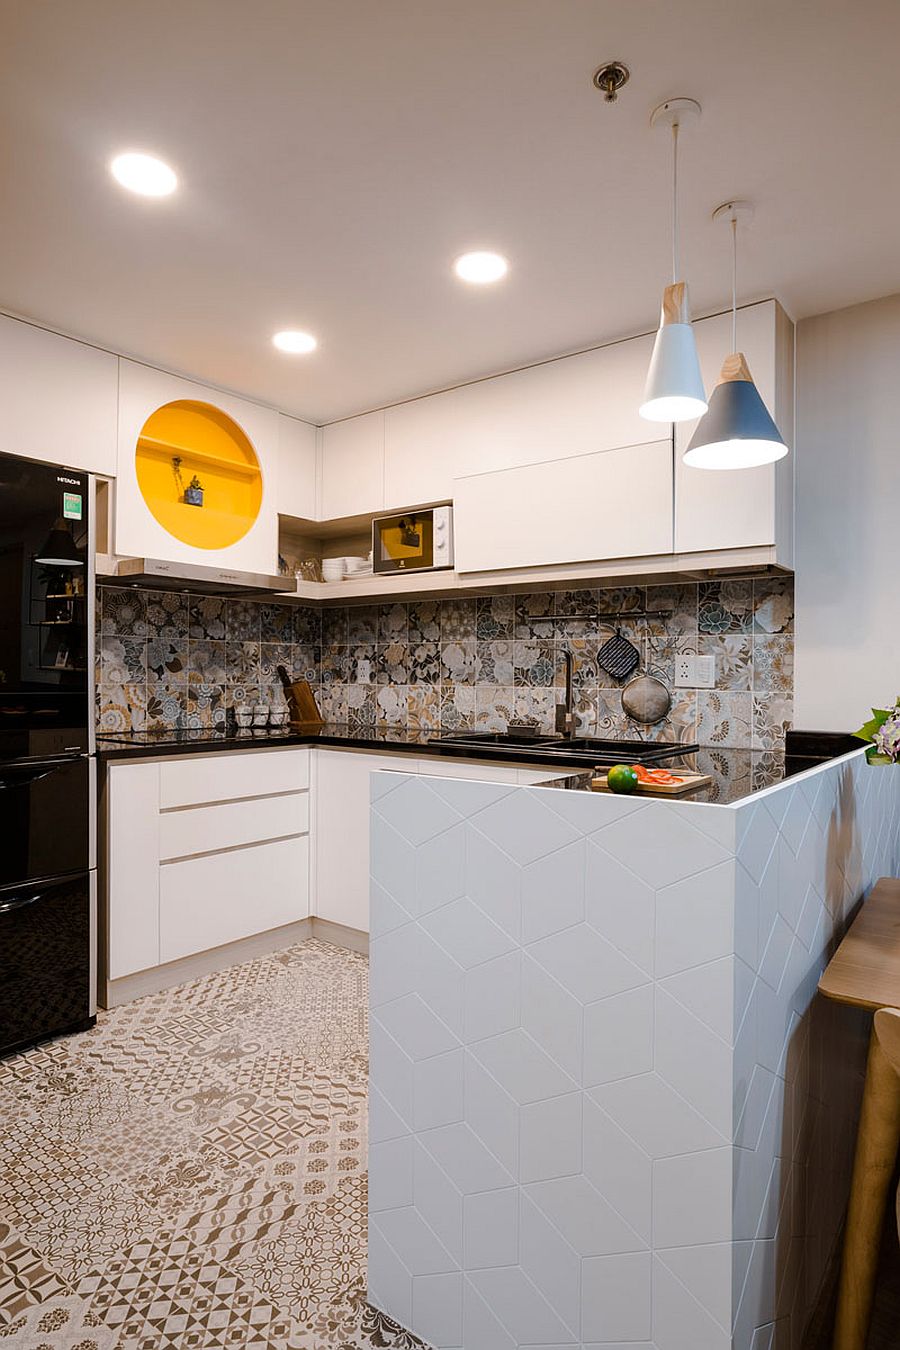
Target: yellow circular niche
x,y
211,447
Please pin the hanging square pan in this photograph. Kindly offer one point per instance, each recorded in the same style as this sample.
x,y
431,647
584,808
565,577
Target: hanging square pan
x,y
618,657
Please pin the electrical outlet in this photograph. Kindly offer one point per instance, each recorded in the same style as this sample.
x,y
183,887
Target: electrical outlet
x,y
694,672
364,671
684,670
705,672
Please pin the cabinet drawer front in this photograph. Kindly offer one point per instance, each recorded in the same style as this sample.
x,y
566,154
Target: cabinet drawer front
x,y
132,871
206,902
223,777
203,829
615,504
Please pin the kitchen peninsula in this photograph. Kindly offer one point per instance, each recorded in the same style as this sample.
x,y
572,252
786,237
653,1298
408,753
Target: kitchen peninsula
x,y
606,1106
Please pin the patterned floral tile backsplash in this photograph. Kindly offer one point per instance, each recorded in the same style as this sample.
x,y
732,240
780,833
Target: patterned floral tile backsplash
x,y
165,659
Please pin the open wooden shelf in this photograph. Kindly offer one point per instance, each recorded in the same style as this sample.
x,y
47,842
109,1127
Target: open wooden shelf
x,y
656,571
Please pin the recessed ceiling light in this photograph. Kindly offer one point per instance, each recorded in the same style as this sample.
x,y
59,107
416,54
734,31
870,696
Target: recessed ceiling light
x,y
292,340
480,268
144,174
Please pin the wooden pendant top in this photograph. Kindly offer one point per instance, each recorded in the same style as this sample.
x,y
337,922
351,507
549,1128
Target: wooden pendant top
x,y
735,367
675,305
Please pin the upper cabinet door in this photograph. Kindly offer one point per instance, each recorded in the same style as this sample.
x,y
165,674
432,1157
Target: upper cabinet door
x,y
353,466
585,508
57,399
297,477
728,509
575,405
230,445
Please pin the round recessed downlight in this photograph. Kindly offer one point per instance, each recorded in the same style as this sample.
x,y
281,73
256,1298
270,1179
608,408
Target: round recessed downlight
x,y
144,174
293,341
480,268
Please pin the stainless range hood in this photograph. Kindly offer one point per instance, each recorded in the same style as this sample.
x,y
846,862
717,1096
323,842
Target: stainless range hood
x,y
162,575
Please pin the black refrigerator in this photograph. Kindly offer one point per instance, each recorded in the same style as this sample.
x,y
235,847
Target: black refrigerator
x,y
48,881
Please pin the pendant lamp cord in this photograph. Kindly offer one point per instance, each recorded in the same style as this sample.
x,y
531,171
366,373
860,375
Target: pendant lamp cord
x,y
734,283
674,202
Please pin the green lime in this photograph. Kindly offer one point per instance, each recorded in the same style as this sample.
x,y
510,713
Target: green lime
x,y
621,778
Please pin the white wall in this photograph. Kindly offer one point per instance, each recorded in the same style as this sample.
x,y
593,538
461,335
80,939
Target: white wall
x,y
848,515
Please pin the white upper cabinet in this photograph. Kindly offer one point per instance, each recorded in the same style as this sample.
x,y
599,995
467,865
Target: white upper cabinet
x,y
743,508
143,390
57,399
353,466
576,405
585,508
297,479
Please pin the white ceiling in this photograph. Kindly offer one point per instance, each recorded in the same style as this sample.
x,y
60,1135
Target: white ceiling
x,y
335,157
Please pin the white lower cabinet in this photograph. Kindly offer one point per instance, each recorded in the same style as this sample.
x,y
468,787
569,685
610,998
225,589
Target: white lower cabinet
x,y
132,867
194,780
204,850
342,832
216,898
201,851
342,819
228,825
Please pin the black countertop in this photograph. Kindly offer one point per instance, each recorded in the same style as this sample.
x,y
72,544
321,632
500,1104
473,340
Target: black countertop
x,y
735,773
139,744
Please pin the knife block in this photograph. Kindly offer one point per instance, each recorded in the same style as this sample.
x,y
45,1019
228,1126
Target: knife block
x,y
302,706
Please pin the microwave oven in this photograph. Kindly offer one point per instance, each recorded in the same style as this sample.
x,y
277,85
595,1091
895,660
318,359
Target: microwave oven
x,y
413,541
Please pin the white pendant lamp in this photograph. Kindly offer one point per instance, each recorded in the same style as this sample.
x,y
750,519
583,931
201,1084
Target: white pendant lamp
x,y
737,432
674,390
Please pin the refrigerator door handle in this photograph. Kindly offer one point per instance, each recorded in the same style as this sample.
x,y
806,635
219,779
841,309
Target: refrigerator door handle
x,y
18,902
13,778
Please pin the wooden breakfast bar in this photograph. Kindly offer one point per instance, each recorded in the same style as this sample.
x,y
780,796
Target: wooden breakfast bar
x,y
865,972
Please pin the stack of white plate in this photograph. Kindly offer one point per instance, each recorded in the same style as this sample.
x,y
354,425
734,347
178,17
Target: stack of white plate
x,y
354,567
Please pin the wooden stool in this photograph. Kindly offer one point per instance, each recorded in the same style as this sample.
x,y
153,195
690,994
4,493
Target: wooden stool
x,y
865,972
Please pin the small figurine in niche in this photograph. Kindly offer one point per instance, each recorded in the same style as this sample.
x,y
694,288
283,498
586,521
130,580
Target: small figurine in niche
x,y
193,493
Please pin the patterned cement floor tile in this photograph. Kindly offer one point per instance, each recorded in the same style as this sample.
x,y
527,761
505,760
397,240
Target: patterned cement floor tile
x,y
312,1265
165,1291
194,1169
58,1324
26,1278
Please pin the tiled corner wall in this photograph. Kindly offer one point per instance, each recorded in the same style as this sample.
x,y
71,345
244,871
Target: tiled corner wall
x,y
606,1105
166,659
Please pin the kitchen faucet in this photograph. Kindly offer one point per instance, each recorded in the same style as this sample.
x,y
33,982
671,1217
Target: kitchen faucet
x,y
565,712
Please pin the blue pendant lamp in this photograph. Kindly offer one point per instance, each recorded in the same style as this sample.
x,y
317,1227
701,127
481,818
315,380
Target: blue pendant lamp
x,y
674,390
737,432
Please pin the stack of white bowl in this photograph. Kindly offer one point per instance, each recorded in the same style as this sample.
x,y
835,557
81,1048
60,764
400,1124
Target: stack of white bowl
x,y
333,569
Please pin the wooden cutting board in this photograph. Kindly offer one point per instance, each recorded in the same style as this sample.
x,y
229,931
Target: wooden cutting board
x,y
689,782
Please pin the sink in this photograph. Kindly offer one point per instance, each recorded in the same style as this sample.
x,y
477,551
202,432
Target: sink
x,y
514,738
568,749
